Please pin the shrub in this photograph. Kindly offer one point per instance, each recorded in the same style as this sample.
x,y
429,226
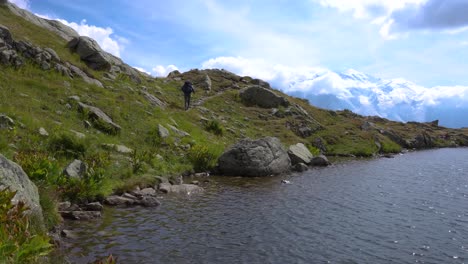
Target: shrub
x,y
66,145
203,158
38,166
18,243
214,127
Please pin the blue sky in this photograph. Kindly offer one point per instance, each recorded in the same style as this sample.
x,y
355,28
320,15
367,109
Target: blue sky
x,y
425,44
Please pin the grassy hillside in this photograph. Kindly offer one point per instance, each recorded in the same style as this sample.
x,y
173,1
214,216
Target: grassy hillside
x,y
36,99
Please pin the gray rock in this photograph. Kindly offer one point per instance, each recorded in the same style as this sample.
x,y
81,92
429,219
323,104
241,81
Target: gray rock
x,y
78,134
262,157
6,122
5,35
96,206
81,215
14,178
119,148
162,131
320,160
299,153
165,187
76,169
116,200
43,132
148,191
90,52
178,132
129,196
206,85
300,167
78,72
64,71
63,206
154,100
53,55
67,233
100,119
260,83
186,189
148,201
262,97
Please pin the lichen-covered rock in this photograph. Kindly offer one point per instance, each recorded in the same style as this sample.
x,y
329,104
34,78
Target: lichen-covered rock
x,y
262,97
99,119
14,178
299,153
262,157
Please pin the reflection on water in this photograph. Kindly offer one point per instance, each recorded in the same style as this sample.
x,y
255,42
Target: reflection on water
x,y
410,209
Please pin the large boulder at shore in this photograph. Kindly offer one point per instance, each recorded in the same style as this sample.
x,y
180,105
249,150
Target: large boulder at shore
x,y
14,178
299,153
262,97
262,157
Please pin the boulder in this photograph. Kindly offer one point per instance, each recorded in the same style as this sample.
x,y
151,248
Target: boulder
x,y
5,35
99,119
76,169
320,160
96,206
262,157
14,178
206,84
260,83
90,52
299,153
148,201
78,72
53,55
262,97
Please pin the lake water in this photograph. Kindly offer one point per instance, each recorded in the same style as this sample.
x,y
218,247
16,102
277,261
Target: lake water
x,y
410,209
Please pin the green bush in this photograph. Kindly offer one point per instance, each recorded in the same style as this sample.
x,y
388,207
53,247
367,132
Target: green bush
x,y
389,146
214,127
18,243
38,166
203,158
66,145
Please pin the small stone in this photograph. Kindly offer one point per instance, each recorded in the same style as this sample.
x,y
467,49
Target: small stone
x,y
129,196
67,233
116,200
43,132
63,206
97,206
148,201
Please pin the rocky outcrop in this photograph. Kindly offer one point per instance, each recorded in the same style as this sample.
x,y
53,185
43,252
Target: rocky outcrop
x,y
262,97
91,53
299,153
99,119
145,197
261,157
118,148
14,178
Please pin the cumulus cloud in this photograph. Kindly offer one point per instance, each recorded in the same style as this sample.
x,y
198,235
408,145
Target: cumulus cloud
x,y
21,3
396,17
163,71
434,14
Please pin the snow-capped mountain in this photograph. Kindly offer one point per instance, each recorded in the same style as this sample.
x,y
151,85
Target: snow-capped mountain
x,y
395,99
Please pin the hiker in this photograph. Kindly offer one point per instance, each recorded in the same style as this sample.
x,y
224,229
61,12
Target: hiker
x,y
187,88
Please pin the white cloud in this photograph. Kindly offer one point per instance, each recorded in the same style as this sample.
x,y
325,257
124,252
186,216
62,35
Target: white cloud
x,y
163,71
21,3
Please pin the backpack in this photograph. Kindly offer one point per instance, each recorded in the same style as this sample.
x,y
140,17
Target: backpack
x,y
187,88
